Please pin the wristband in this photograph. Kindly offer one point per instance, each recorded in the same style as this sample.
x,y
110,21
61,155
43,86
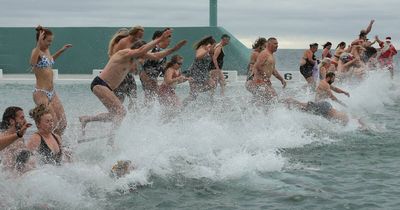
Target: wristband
x,y
18,134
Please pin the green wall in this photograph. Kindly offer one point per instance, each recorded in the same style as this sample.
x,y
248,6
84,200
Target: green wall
x,y
90,44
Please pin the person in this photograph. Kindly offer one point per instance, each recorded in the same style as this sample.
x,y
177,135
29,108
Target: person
x,y
362,37
111,77
264,68
387,52
122,39
166,93
307,64
322,108
217,63
154,66
42,62
199,70
45,144
13,128
324,67
326,52
341,48
325,88
259,45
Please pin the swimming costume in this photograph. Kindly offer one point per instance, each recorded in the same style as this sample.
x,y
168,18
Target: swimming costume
x,y
154,68
220,61
199,70
49,93
46,155
319,108
44,62
307,69
98,81
127,87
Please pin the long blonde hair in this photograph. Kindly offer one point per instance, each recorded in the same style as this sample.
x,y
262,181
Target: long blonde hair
x,y
121,33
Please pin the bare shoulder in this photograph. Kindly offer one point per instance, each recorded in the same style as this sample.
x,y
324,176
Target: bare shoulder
x,y
33,142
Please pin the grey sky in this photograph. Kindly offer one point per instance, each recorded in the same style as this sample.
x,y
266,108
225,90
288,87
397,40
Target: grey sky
x,y
295,23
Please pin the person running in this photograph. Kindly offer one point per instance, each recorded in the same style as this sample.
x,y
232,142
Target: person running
x,y
307,64
362,37
154,67
264,68
45,144
387,52
217,63
13,127
324,68
42,62
199,70
341,48
166,93
123,39
259,45
326,52
119,65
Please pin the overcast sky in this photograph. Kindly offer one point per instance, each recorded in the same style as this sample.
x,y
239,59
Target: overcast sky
x,y
295,23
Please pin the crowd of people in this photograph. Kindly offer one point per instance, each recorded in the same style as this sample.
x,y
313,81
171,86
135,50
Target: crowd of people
x,y
129,55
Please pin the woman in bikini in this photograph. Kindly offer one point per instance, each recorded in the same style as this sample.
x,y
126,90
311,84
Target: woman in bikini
x,y
42,62
44,144
326,52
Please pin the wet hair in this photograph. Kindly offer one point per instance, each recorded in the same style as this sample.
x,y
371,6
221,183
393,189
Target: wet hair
x,y
330,74
39,29
324,61
225,36
362,34
133,31
313,45
174,60
327,44
9,113
37,112
121,33
271,39
341,44
158,33
138,44
204,41
259,43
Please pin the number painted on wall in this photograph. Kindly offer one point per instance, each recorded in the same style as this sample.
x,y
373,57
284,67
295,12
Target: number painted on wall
x,y
226,75
288,76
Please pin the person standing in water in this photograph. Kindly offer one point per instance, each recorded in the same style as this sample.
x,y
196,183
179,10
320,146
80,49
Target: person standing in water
x,y
387,52
307,63
217,63
264,68
42,62
119,65
326,52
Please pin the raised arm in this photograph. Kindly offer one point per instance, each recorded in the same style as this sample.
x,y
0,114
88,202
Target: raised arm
x,y
368,29
60,51
165,53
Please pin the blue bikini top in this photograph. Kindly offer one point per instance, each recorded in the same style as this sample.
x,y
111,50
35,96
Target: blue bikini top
x,y
44,62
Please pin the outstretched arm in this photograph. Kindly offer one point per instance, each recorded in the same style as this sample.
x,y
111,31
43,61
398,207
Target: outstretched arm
x,y
338,90
147,47
333,97
164,53
60,51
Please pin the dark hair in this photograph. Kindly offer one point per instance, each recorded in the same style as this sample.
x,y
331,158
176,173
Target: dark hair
x,y
9,113
341,44
259,43
225,36
314,45
362,34
174,60
330,74
37,112
204,41
271,38
138,44
158,33
39,29
327,44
